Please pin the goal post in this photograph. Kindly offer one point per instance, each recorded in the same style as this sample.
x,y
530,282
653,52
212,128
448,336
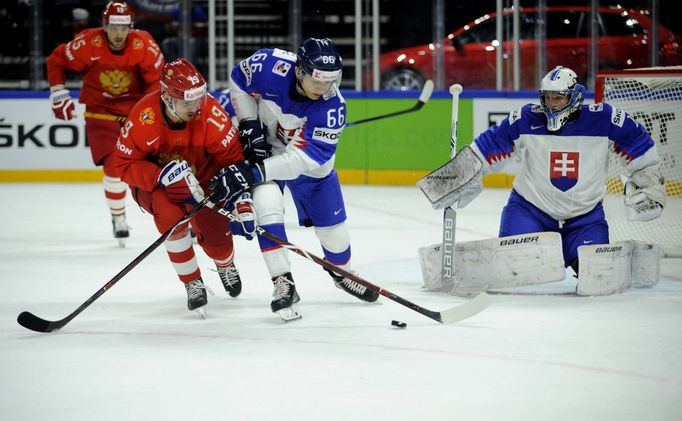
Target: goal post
x,y
653,97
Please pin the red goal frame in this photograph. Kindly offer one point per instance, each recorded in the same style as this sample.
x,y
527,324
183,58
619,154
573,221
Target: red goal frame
x,y
652,72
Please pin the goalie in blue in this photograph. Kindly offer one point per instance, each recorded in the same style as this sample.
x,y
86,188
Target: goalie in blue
x,y
564,148
291,115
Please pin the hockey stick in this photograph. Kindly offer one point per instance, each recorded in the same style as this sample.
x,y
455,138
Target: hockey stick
x,y
108,117
450,212
452,315
35,323
427,90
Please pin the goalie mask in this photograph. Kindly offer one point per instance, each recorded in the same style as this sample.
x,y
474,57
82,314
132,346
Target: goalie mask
x,y
183,89
560,95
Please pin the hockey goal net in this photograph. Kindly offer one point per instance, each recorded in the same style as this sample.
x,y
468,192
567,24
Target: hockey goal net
x,y
653,97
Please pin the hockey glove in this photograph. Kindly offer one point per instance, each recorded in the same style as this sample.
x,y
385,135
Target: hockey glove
x,y
180,183
62,104
243,210
231,181
252,134
644,196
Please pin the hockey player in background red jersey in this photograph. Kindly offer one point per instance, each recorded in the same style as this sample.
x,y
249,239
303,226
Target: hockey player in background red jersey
x,y
119,65
173,142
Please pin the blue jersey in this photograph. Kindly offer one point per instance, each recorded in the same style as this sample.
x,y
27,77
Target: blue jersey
x,y
564,172
303,133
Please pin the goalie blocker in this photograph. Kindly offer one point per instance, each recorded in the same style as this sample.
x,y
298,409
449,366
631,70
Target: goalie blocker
x,y
457,181
537,258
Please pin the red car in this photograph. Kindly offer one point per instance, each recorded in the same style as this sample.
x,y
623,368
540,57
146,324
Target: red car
x,y
470,50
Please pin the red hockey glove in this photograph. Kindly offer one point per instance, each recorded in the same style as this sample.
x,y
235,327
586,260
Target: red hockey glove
x,y
62,104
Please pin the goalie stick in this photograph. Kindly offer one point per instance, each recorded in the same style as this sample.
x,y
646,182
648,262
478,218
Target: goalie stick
x,y
450,213
37,324
452,315
424,96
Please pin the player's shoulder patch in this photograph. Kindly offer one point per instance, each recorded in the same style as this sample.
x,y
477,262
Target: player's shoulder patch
x,y
281,68
137,43
147,116
283,54
617,116
97,40
536,109
515,115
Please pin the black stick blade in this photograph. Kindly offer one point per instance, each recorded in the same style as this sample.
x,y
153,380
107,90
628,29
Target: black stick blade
x,y
32,322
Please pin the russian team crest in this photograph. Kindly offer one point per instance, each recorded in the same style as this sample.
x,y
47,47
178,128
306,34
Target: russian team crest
x,y
564,169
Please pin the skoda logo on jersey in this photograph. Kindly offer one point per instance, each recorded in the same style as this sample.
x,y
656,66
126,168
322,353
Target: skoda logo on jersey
x,y
281,68
564,169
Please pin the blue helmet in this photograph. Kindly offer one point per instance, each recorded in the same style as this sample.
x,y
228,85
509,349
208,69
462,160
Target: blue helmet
x,y
319,58
561,81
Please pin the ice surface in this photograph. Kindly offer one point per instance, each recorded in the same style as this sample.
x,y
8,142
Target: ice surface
x,y
138,354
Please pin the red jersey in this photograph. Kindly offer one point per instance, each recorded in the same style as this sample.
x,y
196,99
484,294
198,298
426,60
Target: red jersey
x,y
146,143
112,82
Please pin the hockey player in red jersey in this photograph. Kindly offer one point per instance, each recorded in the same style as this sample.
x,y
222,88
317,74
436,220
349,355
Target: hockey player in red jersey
x,y
173,142
119,65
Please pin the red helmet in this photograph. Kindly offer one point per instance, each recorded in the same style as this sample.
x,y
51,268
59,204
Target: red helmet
x,y
180,79
117,13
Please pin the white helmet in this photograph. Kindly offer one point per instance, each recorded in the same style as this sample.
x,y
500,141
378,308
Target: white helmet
x,y
561,81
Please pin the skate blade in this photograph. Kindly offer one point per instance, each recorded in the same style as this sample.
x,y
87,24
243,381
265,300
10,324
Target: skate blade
x,y
201,311
289,314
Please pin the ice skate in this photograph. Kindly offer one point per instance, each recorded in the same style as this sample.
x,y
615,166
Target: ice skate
x,y
121,228
197,297
353,288
285,298
229,276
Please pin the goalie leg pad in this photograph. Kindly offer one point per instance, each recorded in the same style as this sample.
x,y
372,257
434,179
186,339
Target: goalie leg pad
x,y
505,262
496,263
646,264
604,268
457,181
430,259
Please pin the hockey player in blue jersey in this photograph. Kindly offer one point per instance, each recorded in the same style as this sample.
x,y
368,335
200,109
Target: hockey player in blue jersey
x,y
291,115
564,148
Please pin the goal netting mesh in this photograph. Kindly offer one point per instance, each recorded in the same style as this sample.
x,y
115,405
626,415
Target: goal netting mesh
x,y
653,97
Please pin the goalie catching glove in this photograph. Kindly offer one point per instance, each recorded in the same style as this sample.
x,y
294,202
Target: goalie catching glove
x,y
180,183
644,196
62,104
243,210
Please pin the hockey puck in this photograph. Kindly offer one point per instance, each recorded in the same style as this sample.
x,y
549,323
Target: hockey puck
x,y
398,324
